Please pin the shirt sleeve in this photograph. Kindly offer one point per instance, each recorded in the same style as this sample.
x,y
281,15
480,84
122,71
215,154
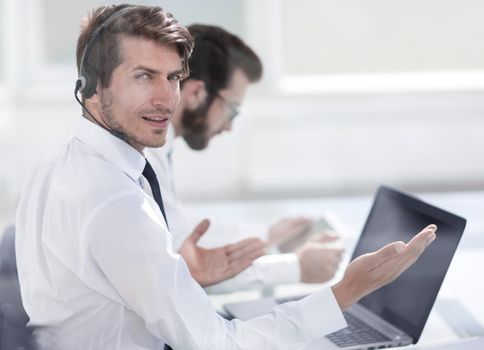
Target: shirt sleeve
x,y
132,251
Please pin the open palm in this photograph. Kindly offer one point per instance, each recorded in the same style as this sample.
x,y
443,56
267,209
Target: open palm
x,y
210,266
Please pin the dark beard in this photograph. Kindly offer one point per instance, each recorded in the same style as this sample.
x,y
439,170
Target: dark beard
x,y
194,124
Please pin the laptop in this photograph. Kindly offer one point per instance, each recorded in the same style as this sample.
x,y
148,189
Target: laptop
x,y
394,315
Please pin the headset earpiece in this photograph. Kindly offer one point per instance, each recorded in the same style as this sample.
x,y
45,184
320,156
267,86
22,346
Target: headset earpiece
x,y
88,83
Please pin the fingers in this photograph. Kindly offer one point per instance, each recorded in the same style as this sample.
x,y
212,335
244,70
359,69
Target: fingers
x,y
432,227
297,232
388,252
241,259
326,237
409,252
374,270
241,255
236,267
231,248
248,257
250,248
406,255
417,245
421,240
299,221
199,230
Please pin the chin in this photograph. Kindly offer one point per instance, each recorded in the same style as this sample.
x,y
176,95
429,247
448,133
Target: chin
x,y
156,143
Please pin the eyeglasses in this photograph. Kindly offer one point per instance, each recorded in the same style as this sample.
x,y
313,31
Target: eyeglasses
x,y
234,111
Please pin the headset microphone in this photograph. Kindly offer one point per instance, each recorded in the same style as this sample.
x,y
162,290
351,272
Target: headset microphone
x,y
119,134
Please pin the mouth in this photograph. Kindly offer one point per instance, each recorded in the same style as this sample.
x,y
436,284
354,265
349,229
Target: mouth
x,y
157,121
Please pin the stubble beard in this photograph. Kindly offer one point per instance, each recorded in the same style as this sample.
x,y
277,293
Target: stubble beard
x,y
106,101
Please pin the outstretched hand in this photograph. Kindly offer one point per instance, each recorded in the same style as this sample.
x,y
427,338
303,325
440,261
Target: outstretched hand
x,y
289,233
374,270
319,260
210,266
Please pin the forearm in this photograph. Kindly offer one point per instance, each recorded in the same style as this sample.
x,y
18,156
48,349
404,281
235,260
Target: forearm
x,y
292,325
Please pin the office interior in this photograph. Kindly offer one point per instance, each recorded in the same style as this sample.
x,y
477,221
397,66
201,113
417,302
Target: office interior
x,y
355,94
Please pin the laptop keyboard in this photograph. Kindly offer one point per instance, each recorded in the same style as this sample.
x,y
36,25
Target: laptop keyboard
x,y
356,333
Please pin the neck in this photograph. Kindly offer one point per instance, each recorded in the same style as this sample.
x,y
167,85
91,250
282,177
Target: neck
x,y
119,135
92,114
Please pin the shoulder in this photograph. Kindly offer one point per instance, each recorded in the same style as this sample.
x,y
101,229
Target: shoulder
x,y
76,177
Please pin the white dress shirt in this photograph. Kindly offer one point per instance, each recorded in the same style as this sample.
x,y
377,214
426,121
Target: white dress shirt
x,y
267,271
97,269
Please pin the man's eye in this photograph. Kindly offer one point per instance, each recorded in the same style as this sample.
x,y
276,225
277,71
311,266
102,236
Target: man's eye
x,y
175,77
143,76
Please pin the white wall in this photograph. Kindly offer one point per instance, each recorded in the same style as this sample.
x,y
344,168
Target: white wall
x,y
342,144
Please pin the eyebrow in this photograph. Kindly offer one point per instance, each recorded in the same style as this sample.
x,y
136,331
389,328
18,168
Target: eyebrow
x,y
154,71
178,71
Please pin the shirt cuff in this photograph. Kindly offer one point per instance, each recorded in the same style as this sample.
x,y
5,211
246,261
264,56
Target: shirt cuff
x,y
322,313
275,269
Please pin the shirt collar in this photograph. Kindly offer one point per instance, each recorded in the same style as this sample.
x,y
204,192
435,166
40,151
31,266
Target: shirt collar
x,y
111,148
170,139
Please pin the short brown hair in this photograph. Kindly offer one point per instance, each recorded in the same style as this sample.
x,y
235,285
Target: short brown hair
x,y
217,54
150,22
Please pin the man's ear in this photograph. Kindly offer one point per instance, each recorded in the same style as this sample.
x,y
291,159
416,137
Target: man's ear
x,y
194,93
95,97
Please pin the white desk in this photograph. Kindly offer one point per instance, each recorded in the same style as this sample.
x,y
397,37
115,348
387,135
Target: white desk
x,y
464,281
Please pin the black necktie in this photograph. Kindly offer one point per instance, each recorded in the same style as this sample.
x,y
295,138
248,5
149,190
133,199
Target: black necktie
x,y
150,175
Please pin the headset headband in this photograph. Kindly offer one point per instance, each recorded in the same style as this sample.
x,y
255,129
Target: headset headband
x,y
86,83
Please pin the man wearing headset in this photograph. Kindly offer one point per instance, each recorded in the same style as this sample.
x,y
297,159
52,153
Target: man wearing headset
x,y
222,67
95,259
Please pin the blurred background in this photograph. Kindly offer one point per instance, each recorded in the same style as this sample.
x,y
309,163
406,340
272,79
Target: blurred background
x,y
355,93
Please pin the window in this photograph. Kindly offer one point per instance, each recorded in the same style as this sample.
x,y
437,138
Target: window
x,y
45,36
61,23
354,36
380,45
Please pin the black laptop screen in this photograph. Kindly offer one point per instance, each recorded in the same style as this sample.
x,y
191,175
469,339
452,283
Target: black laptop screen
x,y
407,302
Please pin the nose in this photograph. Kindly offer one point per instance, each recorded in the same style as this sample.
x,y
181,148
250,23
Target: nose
x,y
165,94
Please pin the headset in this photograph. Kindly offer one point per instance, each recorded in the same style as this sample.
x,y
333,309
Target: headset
x,y
86,83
